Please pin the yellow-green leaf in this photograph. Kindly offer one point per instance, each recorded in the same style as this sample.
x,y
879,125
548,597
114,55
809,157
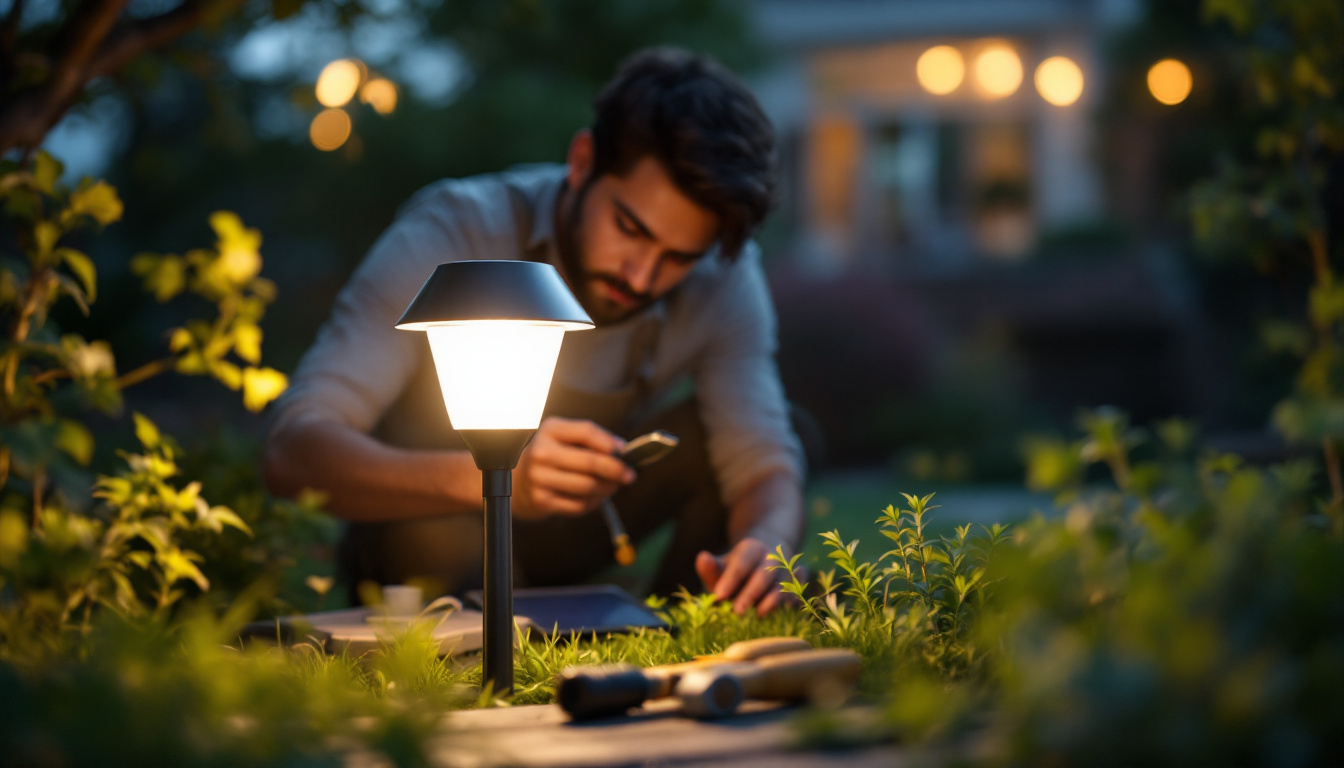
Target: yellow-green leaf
x,y
320,584
215,518
180,340
75,440
47,171
83,268
45,235
247,342
176,566
146,432
166,276
261,386
98,201
227,373
239,257
13,538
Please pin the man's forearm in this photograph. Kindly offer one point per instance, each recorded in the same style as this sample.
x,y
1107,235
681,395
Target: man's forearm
x,y
771,511
365,480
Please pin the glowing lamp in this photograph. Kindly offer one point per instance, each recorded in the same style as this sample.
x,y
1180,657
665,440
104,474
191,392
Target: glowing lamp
x,y
1059,81
998,71
1169,81
940,69
494,329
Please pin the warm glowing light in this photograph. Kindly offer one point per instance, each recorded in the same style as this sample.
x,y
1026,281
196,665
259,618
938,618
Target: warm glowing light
x,y
1059,81
329,129
1169,81
338,82
998,71
940,69
495,374
381,94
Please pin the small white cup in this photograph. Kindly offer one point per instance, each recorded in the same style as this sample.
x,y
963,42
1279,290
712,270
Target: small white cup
x,y
402,601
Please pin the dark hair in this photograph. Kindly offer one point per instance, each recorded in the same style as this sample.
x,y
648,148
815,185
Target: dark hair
x,y
702,124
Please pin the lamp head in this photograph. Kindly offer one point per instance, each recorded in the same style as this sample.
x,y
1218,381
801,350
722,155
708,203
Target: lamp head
x,y
495,329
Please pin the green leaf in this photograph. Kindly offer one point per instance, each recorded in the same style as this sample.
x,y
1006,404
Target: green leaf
x,y
13,538
75,291
146,432
83,268
227,373
1326,303
165,276
177,565
75,440
47,171
215,518
45,235
98,201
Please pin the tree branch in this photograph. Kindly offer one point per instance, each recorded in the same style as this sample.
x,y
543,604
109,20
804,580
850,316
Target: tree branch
x,y
7,33
93,44
32,112
133,38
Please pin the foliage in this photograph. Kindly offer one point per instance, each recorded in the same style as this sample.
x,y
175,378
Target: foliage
x,y
917,600
153,693
133,553
1192,616
1271,207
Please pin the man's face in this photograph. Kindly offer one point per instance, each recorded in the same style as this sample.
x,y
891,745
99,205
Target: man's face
x,y
630,239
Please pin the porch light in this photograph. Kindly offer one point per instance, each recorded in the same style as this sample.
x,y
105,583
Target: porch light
x,y
998,70
1059,81
495,329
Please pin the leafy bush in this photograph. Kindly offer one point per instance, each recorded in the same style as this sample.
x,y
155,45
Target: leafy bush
x,y
127,546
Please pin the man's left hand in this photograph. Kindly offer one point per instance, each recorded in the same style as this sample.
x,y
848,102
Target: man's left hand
x,y
744,575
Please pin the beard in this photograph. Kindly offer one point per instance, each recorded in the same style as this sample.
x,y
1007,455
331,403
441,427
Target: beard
x,y
587,285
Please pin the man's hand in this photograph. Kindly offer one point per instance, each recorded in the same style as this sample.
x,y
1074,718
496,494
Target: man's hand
x,y
568,469
744,575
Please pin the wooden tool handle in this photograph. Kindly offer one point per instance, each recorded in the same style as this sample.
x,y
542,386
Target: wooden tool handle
x,y
791,675
747,650
667,675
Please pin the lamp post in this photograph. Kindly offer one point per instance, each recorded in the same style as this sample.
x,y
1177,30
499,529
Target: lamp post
x,y
494,329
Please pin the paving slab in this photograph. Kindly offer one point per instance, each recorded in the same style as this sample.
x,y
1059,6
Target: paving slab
x,y
543,737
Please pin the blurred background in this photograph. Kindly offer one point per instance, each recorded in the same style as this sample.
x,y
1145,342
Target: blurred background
x,y
985,223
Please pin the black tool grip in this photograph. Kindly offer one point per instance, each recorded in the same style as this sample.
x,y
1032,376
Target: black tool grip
x,y
592,692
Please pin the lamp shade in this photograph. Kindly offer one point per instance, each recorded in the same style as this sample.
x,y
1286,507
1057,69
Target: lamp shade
x,y
471,291
495,329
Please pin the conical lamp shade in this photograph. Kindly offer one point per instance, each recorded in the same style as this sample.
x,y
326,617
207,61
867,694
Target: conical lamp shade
x,y
495,329
471,291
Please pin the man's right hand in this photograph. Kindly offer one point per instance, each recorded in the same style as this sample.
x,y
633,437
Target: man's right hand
x,y
568,469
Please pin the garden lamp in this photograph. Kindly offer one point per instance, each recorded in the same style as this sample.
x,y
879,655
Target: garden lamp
x,y
494,329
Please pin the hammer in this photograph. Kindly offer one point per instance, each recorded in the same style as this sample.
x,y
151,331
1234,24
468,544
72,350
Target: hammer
x,y
718,690
591,692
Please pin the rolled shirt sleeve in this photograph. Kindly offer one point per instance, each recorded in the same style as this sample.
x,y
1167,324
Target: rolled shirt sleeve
x,y
360,363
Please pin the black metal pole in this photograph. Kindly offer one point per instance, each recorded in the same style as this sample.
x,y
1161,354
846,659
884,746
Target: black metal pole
x,y
497,641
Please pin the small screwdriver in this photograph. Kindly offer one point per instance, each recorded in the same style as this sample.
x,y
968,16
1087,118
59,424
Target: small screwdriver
x,y
620,540
639,452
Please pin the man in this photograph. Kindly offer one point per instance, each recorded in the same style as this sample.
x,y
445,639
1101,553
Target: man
x,y
649,224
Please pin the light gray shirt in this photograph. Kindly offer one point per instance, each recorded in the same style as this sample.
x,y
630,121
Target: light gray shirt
x,y
715,330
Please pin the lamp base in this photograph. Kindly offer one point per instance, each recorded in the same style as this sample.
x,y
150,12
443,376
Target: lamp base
x,y
496,448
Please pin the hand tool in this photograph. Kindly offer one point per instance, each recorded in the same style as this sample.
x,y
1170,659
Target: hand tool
x,y
718,690
590,692
639,452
